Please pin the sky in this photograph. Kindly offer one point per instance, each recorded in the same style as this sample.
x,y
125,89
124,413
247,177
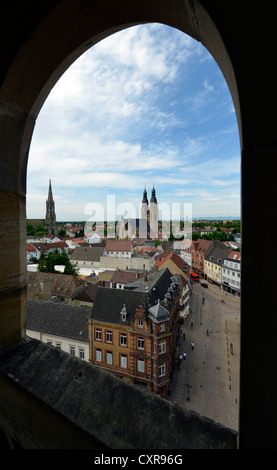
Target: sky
x,y
146,106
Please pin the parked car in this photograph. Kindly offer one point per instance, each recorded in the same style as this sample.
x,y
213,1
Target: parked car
x,y
203,284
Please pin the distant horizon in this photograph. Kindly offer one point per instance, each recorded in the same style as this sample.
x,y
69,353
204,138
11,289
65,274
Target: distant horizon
x,y
64,221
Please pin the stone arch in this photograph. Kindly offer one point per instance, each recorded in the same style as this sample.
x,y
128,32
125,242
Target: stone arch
x,y
60,36
68,30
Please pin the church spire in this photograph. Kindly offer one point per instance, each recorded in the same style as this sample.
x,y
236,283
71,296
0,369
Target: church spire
x,y
153,196
144,199
50,194
50,218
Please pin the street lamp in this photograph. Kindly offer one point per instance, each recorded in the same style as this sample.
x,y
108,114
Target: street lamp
x,y
188,385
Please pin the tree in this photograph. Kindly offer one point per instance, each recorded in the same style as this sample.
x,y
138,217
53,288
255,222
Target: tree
x,y
30,229
40,230
62,233
48,262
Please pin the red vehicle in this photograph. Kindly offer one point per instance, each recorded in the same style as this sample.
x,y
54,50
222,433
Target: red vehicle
x,y
194,276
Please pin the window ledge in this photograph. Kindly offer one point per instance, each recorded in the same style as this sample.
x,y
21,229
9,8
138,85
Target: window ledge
x,y
50,399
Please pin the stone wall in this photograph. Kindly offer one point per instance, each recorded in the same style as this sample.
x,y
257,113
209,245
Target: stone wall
x,y
125,263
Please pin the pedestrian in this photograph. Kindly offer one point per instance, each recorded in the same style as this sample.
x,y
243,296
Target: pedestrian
x,y
192,345
184,336
181,357
184,355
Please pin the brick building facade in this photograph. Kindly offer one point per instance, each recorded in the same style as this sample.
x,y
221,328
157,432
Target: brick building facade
x,y
198,251
132,331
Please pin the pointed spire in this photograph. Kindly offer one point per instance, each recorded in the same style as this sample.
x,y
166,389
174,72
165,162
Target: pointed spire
x,y
50,194
144,199
153,196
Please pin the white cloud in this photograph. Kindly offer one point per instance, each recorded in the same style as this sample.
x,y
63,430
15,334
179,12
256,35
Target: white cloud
x,y
114,121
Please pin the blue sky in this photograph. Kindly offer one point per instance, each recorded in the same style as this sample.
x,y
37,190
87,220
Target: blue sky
x,y
146,105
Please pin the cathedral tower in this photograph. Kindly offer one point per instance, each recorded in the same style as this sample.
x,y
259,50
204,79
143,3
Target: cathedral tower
x,y
153,215
144,206
50,218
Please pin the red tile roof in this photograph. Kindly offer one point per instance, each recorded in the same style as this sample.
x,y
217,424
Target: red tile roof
x,y
31,247
201,245
173,256
234,255
57,245
118,245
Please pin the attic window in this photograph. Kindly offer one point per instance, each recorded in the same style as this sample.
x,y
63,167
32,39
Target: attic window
x,y
123,313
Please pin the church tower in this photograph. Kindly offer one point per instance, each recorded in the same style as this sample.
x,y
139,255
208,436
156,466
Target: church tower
x,y
50,218
144,206
153,215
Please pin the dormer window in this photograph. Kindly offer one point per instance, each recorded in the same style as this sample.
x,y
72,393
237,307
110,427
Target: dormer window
x,y
140,323
123,314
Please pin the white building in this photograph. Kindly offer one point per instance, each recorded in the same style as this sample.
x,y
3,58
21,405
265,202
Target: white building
x,y
32,252
95,238
87,257
231,273
63,326
119,249
183,249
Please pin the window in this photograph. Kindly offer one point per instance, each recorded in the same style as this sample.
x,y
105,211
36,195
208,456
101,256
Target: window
x,y
161,370
72,350
123,339
58,345
123,361
123,313
140,323
81,353
140,365
98,335
98,355
109,336
162,347
162,327
140,343
109,357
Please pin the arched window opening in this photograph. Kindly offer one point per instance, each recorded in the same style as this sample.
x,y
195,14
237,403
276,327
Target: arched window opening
x,y
149,106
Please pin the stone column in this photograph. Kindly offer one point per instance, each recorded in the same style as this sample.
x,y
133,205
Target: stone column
x,y
13,268
15,135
